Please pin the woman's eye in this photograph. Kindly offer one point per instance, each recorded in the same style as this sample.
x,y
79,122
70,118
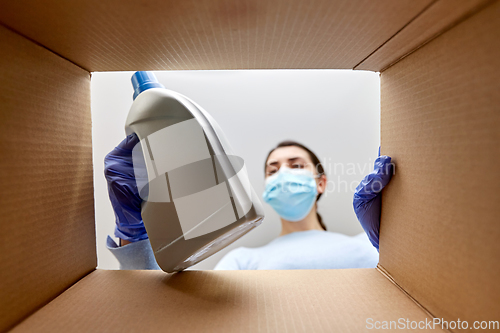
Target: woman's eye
x,y
271,172
297,166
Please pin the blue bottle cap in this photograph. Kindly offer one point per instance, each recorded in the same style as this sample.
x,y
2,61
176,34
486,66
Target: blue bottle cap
x,y
143,81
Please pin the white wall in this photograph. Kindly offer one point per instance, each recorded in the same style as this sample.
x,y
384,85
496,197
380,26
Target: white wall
x,y
336,113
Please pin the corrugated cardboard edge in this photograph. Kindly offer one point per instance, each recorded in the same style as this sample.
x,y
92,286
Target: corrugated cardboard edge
x,y
52,299
388,276
398,33
42,46
367,64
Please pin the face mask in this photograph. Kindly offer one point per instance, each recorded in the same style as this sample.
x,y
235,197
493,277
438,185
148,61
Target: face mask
x,y
291,193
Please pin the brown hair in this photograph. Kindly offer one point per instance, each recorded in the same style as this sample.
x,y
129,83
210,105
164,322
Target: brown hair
x,y
314,159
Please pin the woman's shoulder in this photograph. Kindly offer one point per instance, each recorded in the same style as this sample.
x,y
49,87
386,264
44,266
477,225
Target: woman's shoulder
x,y
237,259
361,236
317,234
327,238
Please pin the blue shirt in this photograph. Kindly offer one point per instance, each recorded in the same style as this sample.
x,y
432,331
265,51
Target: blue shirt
x,y
311,249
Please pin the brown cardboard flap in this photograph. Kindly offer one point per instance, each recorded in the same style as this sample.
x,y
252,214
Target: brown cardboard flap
x,y
47,238
437,18
225,301
116,35
440,230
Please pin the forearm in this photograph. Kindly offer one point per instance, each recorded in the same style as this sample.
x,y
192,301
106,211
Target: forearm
x,y
123,242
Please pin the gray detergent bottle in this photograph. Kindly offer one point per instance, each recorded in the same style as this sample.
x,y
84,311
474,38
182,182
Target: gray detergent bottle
x,y
197,198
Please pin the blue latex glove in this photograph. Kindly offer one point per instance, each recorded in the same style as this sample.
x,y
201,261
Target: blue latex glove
x,y
367,197
123,194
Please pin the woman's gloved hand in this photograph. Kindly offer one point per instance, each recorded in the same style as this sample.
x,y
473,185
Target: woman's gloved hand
x,y
367,197
123,194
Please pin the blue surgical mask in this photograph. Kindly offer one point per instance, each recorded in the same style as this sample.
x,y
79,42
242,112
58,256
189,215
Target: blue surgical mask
x,y
291,193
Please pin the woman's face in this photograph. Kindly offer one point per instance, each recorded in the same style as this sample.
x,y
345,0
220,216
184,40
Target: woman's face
x,y
292,157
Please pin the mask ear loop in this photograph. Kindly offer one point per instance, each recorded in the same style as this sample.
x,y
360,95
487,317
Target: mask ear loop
x,y
319,175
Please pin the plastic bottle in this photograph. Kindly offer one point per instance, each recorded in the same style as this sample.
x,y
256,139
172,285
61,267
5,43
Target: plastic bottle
x,y
196,192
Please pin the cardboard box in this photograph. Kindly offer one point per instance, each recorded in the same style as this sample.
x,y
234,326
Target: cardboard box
x,y
439,251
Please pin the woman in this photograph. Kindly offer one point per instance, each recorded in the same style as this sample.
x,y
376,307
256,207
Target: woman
x,y
295,180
